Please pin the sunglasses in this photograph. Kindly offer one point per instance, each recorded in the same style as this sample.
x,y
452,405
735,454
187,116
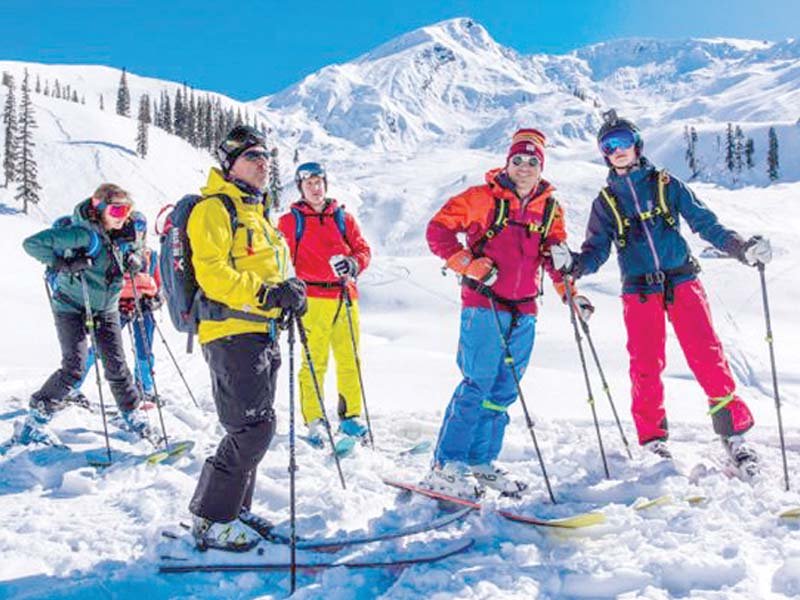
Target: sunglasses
x,y
520,159
620,139
119,211
254,155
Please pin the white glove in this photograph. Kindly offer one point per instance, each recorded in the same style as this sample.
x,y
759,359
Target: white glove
x,y
757,250
584,307
344,266
562,257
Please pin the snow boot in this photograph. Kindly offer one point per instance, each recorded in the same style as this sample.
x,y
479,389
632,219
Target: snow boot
x,y
75,398
741,455
233,536
491,476
453,479
659,448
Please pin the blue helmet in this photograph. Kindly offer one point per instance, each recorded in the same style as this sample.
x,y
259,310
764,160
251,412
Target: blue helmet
x,y
308,170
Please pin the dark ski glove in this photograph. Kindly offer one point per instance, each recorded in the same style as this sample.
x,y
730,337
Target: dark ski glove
x,y
289,295
134,264
74,265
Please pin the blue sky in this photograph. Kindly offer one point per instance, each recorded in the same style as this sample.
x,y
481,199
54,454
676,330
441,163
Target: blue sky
x,y
249,49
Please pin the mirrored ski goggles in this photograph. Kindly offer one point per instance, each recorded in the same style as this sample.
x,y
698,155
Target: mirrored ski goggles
x,y
254,155
308,170
119,211
619,139
520,159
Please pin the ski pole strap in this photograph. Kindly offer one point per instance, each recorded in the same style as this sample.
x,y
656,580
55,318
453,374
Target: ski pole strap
x,y
489,405
719,403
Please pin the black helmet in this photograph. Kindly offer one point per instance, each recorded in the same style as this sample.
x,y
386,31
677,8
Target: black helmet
x,y
611,122
239,139
307,170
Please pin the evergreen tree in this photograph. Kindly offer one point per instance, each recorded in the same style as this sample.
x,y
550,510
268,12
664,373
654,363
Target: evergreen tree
x,y
296,158
275,188
75,96
123,96
27,171
180,117
191,120
102,105
772,155
166,117
10,125
730,163
6,78
749,150
38,85
143,119
46,88
738,149
57,90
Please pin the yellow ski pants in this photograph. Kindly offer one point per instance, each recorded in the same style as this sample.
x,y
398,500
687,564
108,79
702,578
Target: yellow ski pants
x,y
327,329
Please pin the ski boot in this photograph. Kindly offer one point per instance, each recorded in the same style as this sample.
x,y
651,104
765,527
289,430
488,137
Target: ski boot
x,y
135,421
34,430
742,456
232,536
257,523
316,433
659,448
354,428
453,479
491,476
75,398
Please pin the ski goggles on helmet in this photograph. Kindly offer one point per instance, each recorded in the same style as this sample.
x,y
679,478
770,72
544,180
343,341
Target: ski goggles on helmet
x,y
618,139
520,159
119,211
308,170
254,155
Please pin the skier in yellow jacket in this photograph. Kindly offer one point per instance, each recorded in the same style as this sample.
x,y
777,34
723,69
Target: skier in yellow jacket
x,y
244,275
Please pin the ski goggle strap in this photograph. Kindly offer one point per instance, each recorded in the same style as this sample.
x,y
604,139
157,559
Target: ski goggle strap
x,y
618,139
308,170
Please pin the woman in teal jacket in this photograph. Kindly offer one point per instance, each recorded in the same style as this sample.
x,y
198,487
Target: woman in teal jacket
x,y
96,245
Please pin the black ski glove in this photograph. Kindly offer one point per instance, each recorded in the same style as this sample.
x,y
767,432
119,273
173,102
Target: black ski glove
x,y
151,303
74,265
289,295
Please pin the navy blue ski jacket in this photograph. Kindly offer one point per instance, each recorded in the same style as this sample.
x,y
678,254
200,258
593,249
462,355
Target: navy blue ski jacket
x,y
651,245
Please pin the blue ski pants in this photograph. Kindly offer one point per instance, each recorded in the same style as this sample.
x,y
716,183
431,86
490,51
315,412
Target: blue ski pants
x,y
476,418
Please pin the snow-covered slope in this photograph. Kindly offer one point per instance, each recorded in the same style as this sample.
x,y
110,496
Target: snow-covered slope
x,y
402,128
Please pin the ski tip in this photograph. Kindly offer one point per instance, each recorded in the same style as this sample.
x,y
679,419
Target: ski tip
x,y
578,521
792,513
345,446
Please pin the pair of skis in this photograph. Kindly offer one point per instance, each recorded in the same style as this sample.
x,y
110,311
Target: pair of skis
x,y
429,555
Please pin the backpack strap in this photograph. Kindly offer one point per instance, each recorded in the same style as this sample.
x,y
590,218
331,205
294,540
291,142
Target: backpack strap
x,y
498,223
339,218
623,223
663,182
548,216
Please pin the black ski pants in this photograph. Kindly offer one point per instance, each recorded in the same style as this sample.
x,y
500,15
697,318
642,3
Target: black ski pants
x,y
72,336
244,371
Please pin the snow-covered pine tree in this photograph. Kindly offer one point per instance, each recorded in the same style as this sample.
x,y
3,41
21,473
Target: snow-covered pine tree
x,y
191,120
773,164
27,171
102,105
75,97
296,158
38,85
142,120
123,96
275,187
10,127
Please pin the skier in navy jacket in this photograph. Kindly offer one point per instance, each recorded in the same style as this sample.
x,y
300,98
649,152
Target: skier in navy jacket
x,y
639,212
